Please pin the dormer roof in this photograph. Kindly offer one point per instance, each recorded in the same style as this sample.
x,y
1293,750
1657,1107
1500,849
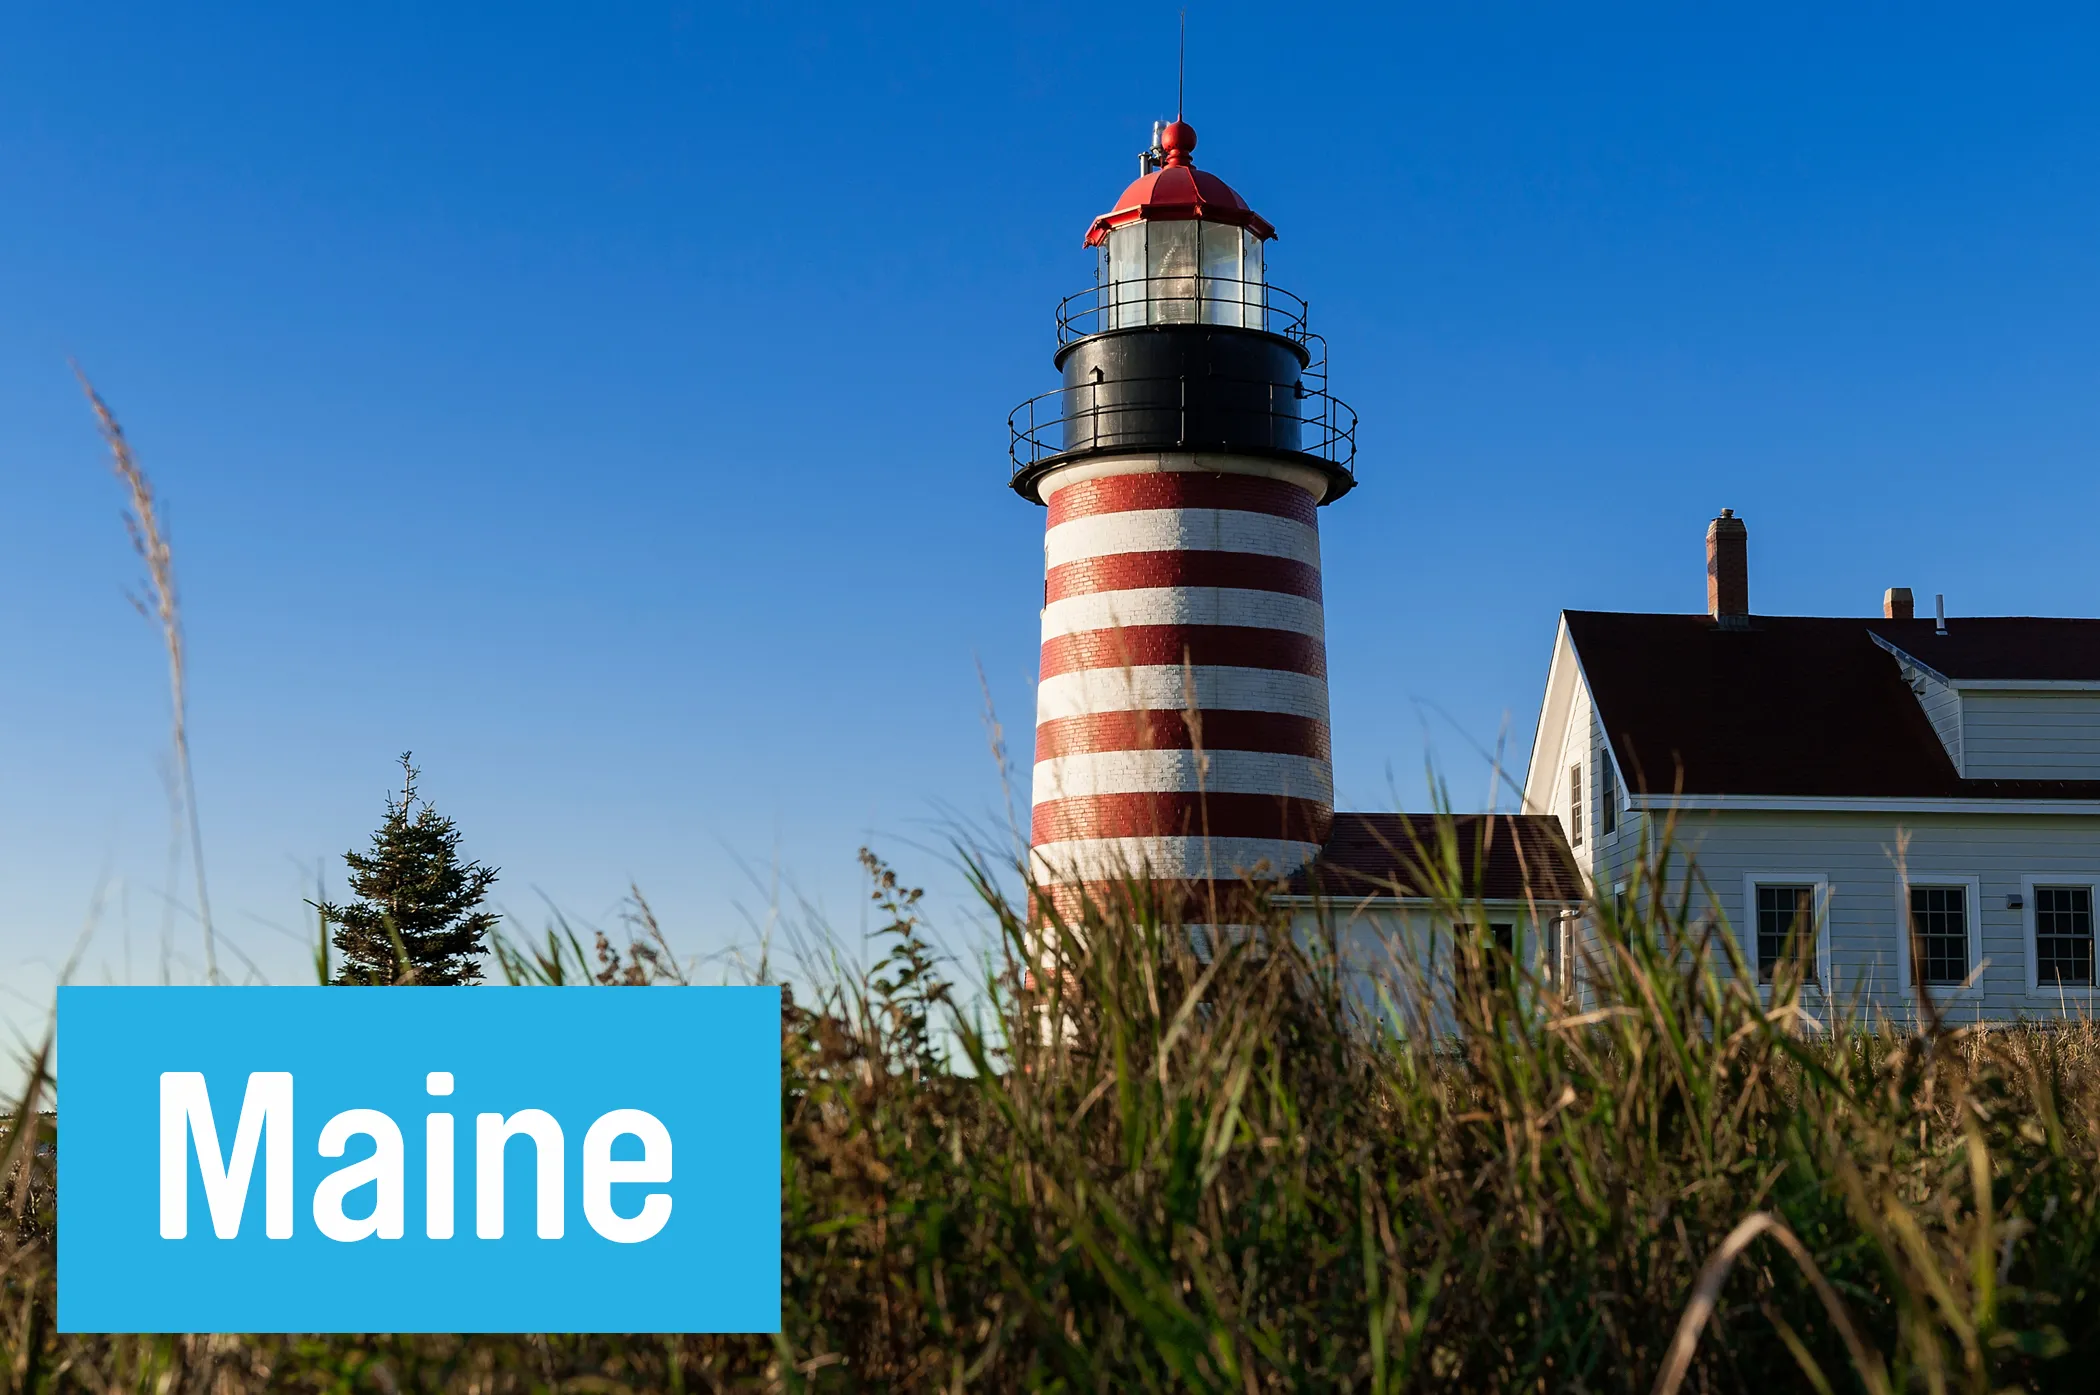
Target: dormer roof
x,y
1999,649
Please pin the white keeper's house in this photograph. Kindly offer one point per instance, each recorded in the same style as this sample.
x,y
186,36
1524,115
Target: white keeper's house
x,y
1861,778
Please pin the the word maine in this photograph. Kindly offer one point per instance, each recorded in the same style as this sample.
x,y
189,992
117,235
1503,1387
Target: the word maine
x,y
266,1127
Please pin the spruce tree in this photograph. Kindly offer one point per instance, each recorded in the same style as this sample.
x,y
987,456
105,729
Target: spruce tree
x,y
415,920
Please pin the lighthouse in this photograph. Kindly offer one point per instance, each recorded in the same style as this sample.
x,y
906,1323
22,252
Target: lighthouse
x,y
1181,714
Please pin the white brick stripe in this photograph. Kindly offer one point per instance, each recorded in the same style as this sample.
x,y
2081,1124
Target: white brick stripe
x,y
1164,688
1111,859
1184,605
1223,772
1181,530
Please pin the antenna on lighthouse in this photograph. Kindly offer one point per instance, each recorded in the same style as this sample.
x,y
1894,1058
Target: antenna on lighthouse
x,y
1181,67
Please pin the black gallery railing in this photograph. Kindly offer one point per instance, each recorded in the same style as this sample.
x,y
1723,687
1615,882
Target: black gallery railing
x,y
1183,413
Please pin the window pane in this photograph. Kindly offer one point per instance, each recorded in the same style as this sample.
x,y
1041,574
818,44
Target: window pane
x,y
2063,935
1126,252
1786,920
1126,269
1575,806
1221,274
1939,917
1254,290
1497,955
1170,260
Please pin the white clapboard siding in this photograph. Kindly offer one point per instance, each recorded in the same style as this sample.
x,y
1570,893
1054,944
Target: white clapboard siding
x,y
1856,853
1942,704
2030,735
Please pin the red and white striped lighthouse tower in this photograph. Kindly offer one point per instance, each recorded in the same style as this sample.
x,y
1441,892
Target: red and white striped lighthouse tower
x,y
1181,717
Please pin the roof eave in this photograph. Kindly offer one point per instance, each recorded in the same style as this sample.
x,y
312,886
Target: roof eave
x,y
1246,218
1867,804
1302,898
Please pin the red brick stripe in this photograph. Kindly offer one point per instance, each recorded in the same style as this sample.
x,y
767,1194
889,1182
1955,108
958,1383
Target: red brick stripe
x,y
1235,646
1179,813
1138,571
1180,489
1224,729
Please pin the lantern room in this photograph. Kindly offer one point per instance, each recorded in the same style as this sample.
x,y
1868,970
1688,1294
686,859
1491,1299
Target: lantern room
x,y
1180,246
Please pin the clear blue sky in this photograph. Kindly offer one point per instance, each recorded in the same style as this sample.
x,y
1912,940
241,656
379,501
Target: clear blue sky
x,y
608,401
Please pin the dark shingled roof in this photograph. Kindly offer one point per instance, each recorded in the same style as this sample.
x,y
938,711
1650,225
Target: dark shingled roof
x,y
1808,705
2007,648
1513,855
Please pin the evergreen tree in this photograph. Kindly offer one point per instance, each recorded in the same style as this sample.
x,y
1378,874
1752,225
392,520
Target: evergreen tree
x,y
415,919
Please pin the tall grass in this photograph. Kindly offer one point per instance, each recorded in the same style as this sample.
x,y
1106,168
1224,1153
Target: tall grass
x,y
161,603
1190,1161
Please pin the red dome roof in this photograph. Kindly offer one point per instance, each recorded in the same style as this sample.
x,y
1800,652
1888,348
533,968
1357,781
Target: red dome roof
x,y
1179,190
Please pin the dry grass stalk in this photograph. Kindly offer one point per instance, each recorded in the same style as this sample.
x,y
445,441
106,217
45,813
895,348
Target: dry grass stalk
x,y
150,540
1706,1296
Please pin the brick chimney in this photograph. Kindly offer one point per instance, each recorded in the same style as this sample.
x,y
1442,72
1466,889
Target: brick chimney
x,y
1896,604
1728,572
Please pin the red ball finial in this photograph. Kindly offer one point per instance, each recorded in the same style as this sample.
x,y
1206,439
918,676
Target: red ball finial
x,y
1177,142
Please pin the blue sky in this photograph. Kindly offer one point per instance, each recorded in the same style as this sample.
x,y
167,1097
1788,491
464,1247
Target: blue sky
x,y
607,402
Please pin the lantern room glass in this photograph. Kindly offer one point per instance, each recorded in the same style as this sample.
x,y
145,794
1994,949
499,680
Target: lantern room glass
x,y
1183,271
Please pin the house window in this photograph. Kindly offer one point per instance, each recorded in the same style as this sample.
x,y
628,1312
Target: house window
x,y
1502,934
2063,935
1575,806
1939,920
1607,796
1786,924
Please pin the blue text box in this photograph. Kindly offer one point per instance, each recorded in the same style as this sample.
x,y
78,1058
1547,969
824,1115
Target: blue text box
x,y
662,1106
